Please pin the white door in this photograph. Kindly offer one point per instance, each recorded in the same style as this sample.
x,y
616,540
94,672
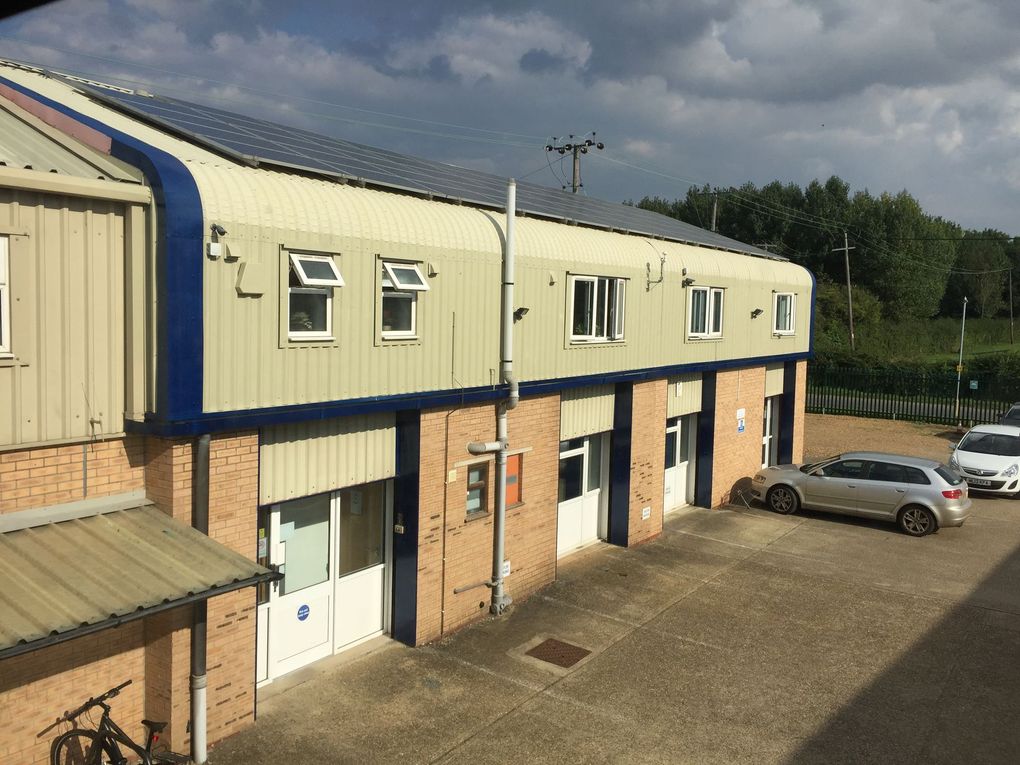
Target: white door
x,y
678,488
299,613
360,602
770,431
580,511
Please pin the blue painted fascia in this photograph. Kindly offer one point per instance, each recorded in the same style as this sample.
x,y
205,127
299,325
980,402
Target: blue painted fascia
x,y
406,487
179,257
787,413
705,443
242,419
619,464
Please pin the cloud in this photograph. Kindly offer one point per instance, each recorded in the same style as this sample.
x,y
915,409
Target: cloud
x,y
889,95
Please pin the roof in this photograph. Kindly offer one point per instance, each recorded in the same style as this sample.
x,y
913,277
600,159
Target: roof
x,y
27,142
1002,430
256,142
901,459
141,561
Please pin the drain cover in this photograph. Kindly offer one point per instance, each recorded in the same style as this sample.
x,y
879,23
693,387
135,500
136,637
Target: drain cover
x,y
557,652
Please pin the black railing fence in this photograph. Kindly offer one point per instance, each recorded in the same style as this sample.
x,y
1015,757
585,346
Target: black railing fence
x,y
919,396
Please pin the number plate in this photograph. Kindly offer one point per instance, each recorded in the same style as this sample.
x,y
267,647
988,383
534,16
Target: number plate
x,y
978,482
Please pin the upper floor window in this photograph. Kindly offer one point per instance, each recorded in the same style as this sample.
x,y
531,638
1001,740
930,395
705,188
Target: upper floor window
x,y
705,317
5,298
310,296
401,283
598,309
784,306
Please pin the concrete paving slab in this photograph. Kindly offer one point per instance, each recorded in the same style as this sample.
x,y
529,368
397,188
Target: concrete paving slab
x,y
736,526
396,705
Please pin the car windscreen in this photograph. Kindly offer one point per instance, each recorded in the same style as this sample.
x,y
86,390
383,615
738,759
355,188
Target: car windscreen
x,y
991,443
813,465
948,475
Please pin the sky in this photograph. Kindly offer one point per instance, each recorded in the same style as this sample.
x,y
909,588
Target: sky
x,y
887,94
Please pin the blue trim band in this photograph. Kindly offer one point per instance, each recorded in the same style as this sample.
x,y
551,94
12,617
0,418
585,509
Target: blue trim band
x,y
255,418
179,242
787,413
404,625
704,465
619,464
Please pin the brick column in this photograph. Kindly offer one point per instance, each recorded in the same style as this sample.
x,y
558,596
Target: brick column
x,y
800,406
737,455
455,551
647,460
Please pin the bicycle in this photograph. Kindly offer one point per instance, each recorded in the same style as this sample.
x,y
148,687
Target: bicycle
x,y
102,746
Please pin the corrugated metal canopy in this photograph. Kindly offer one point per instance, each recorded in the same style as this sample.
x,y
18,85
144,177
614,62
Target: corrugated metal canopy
x,y
253,141
62,580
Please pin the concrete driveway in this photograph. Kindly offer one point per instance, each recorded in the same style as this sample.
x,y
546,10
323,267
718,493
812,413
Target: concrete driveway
x,y
738,636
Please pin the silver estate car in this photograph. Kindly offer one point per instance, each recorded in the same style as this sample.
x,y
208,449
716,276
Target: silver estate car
x,y
920,495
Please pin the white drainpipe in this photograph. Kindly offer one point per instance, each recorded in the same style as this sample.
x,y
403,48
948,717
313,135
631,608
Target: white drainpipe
x,y
500,600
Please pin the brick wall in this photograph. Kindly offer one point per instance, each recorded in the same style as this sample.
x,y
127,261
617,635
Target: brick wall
x,y
800,405
647,460
233,501
155,652
37,687
445,531
737,455
56,474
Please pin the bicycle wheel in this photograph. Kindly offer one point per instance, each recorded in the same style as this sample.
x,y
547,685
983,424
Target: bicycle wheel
x,y
82,747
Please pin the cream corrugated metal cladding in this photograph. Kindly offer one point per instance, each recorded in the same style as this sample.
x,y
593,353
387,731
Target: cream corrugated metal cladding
x,y
313,457
683,394
584,411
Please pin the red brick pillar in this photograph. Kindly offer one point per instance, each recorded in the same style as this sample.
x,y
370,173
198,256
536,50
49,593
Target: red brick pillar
x,y
647,461
737,454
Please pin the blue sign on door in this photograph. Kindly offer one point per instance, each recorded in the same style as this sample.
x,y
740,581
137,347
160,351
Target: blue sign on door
x,y
302,613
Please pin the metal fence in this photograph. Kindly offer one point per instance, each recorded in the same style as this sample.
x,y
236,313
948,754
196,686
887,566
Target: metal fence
x,y
918,396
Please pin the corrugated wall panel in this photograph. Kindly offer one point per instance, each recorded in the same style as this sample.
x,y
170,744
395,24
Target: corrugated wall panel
x,y
683,395
246,363
66,379
587,410
313,457
773,380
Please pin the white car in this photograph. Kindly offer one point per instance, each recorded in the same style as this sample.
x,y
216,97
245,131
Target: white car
x,y
988,457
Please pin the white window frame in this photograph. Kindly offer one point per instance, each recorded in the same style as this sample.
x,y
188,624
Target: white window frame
x,y
715,296
614,333
297,263
5,297
310,286
776,329
395,288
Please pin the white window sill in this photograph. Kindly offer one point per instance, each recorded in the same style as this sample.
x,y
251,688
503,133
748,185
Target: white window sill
x,y
309,339
705,338
581,343
784,334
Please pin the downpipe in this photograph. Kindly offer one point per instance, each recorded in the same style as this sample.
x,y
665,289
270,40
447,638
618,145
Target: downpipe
x,y
500,600
200,521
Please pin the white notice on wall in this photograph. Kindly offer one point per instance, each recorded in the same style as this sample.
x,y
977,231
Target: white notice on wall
x,y
741,413
506,568
646,513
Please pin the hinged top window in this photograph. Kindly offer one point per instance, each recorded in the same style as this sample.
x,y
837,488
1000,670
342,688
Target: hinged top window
x,y
404,276
597,310
316,270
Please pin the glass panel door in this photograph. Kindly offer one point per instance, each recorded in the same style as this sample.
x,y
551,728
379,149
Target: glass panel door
x,y
363,514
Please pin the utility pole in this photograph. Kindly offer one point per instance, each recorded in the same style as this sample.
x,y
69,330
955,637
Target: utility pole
x,y
577,149
715,207
959,365
845,249
1011,306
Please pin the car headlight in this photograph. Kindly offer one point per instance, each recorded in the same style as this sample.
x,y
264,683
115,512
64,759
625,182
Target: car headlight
x,y
759,478
1011,470
953,462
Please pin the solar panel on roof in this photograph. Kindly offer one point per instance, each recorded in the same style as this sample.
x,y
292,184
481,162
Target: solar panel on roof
x,y
256,141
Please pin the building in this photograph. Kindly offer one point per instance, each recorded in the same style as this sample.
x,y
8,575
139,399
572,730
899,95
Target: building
x,y
316,328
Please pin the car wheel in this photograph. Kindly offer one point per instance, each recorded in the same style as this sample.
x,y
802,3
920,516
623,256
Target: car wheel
x,y
917,521
782,500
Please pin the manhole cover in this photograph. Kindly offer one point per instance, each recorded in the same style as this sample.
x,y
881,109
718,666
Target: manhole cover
x,y
557,652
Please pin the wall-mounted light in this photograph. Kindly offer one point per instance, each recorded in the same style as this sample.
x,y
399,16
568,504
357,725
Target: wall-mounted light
x,y
757,312
687,282
520,313
215,248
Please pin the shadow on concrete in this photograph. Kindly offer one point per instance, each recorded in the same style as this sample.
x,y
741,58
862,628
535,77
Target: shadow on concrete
x,y
951,696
